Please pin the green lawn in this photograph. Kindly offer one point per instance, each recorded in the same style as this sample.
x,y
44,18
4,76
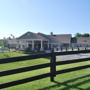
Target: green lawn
x,y
77,80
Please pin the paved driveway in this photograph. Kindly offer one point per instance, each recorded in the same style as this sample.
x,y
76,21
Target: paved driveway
x,y
73,56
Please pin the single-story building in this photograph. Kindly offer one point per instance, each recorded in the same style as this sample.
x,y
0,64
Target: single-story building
x,y
40,41
80,42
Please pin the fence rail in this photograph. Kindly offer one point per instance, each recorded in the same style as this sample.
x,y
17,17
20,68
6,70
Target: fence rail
x,y
25,69
52,66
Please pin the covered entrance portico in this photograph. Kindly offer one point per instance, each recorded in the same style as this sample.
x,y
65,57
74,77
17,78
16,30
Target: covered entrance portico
x,y
37,44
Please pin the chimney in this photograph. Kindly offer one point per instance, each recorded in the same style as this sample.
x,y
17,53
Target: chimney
x,y
51,33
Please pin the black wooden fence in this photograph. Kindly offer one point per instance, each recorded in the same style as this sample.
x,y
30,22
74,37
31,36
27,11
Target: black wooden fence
x,y
52,66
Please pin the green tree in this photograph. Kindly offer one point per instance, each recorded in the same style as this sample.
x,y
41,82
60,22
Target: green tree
x,y
85,35
3,43
78,35
82,35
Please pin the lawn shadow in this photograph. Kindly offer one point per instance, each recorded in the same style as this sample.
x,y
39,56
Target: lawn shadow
x,y
48,58
68,86
6,56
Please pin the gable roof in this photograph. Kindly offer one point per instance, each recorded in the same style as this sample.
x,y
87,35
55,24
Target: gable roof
x,y
49,37
58,38
27,35
64,38
12,41
81,40
31,35
41,37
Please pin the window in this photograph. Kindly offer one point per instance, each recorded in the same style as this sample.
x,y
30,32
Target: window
x,y
28,34
84,40
17,41
23,41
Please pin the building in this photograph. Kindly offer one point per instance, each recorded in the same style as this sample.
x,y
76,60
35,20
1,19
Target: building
x,y
40,41
80,42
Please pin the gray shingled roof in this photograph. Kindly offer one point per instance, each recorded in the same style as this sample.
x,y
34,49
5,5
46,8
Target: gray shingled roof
x,y
28,35
64,38
41,37
31,35
52,39
49,37
13,41
81,40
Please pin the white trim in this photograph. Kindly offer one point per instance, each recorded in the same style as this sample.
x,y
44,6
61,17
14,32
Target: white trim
x,y
32,45
59,45
41,49
33,39
48,44
53,43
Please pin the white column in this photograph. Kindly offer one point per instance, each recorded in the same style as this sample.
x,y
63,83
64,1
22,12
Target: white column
x,y
59,45
17,44
41,44
32,45
69,45
41,49
25,44
51,46
48,44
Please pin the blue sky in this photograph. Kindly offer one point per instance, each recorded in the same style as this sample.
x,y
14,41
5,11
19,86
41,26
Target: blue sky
x,y
59,16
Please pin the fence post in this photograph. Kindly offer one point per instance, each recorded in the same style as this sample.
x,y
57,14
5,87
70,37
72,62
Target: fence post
x,y
61,48
66,48
85,48
78,48
72,48
53,66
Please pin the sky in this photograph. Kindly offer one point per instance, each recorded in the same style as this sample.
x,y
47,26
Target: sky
x,y
59,16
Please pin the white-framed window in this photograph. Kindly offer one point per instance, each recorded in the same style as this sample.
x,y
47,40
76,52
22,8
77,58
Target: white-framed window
x,y
17,41
84,40
28,34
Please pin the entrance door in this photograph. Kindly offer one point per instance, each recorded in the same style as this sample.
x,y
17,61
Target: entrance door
x,y
29,45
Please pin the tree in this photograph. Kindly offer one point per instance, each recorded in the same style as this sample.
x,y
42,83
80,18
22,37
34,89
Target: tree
x,y
78,35
85,35
3,43
82,35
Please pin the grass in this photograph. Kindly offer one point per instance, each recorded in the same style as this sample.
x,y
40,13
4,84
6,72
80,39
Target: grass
x,y
77,80
10,54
